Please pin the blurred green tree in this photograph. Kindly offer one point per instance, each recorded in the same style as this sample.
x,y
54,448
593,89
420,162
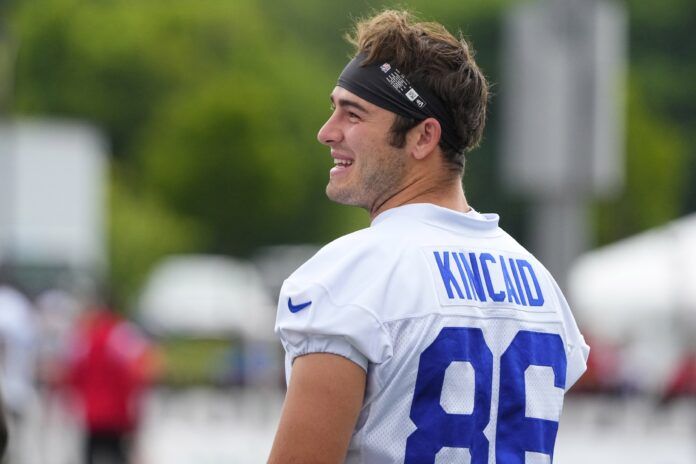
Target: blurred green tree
x,y
141,231
663,67
655,175
212,109
661,121
212,119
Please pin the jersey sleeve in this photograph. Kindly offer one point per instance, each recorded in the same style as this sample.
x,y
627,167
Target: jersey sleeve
x,y
578,350
309,321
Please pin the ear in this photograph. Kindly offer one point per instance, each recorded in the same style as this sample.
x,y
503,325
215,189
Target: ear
x,y
426,137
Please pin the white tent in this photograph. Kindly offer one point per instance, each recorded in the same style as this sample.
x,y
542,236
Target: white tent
x,y
647,277
640,293
205,295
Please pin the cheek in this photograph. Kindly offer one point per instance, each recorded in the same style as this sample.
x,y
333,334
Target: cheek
x,y
368,142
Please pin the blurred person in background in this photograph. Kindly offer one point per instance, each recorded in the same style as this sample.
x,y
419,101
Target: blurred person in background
x,y
432,334
57,311
681,383
17,364
109,368
3,430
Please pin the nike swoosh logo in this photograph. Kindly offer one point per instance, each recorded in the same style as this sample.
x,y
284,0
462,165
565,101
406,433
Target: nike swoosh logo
x,y
296,308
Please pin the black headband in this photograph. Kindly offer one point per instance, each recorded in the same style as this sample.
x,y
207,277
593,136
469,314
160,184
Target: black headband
x,y
387,87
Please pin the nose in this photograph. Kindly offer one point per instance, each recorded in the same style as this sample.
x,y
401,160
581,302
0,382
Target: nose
x,y
330,132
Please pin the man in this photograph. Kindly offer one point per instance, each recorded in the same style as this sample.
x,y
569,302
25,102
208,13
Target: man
x,y
4,436
18,340
431,336
108,372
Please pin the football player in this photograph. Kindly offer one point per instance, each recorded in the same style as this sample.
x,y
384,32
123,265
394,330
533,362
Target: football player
x,y
432,335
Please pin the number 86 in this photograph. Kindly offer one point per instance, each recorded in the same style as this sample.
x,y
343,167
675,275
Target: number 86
x,y
515,433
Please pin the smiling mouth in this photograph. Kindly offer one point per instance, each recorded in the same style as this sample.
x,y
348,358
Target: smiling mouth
x,y
343,162
341,166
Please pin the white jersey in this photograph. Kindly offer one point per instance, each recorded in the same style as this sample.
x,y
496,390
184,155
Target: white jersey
x,y
468,344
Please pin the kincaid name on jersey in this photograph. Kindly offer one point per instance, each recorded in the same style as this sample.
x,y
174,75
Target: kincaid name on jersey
x,y
486,276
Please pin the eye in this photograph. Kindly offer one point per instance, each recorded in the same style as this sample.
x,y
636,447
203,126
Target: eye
x,y
353,117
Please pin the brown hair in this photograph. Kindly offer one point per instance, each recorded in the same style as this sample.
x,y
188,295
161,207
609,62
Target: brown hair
x,y
429,55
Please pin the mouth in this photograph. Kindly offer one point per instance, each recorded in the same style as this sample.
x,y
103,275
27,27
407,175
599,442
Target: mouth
x,y
341,165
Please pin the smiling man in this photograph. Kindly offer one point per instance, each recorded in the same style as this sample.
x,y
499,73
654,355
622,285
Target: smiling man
x,y
432,336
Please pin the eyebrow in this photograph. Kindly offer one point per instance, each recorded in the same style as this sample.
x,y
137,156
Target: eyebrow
x,y
348,103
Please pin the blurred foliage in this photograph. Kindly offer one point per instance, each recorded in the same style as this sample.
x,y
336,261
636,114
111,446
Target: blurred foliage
x,y
212,108
141,231
661,121
198,361
663,69
655,175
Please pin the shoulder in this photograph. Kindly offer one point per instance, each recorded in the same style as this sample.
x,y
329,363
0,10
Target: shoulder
x,y
351,261
330,303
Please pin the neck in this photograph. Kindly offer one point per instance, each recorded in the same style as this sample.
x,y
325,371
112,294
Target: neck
x,y
447,193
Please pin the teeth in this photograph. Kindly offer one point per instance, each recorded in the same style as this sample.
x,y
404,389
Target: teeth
x,y
340,162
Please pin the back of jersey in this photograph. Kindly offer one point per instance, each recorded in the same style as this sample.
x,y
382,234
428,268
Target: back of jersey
x,y
472,346
484,348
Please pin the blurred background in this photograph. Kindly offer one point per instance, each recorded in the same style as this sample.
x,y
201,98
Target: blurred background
x,y
160,177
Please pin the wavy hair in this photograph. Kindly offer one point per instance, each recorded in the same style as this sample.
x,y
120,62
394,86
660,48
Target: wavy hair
x,y
429,55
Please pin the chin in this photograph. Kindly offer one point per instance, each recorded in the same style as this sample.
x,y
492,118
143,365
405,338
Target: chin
x,y
341,196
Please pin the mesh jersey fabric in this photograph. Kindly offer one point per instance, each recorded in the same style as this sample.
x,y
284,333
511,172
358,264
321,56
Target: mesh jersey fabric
x,y
384,296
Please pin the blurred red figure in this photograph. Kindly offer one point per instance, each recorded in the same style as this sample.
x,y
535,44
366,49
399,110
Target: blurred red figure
x,y
109,369
682,382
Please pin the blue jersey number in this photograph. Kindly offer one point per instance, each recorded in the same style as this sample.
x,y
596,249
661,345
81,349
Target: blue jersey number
x,y
516,433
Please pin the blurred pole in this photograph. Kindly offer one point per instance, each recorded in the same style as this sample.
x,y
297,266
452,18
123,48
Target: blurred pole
x,y
563,121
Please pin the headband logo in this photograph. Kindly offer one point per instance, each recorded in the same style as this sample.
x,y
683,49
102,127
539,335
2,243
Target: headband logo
x,y
412,94
385,67
415,98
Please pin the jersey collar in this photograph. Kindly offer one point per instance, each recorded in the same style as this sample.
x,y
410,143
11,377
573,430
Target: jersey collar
x,y
428,212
